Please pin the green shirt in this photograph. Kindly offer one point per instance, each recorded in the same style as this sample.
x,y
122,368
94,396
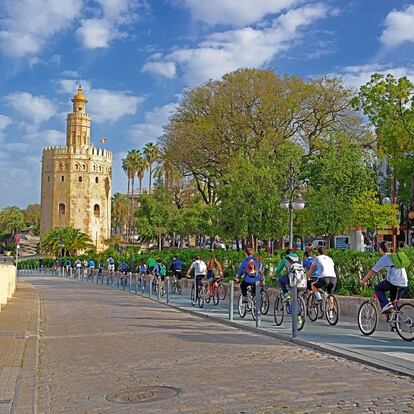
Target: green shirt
x,y
151,262
282,264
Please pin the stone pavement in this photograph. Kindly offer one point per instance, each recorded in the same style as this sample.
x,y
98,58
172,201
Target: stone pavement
x,y
95,341
18,351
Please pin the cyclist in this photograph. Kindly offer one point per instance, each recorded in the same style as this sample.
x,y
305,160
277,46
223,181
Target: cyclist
x,y
396,278
151,263
200,271
142,268
111,268
78,267
176,269
68,265
214,275
162,271
123,268
307,263
326,275
249,270
91,265
286,263
100,269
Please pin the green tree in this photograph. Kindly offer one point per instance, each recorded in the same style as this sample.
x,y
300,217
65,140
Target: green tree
x,y
66,240
119,212
11,220
32,218
151,152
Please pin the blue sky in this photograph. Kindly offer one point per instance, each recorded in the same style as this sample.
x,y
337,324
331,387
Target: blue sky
x,y
134,58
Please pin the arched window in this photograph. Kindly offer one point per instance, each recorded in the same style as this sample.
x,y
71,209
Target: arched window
x,y
77,166
48,179
62,178
100,169
94,167
96,210
62,209
80,179
84,167
96,180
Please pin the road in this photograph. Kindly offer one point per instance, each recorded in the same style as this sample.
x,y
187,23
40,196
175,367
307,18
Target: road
x,y
95,340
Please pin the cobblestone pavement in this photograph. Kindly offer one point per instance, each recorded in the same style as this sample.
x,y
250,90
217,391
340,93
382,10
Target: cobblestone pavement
x,y
95,341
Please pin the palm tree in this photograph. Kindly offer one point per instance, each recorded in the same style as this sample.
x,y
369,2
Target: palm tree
x,y
127,168
134,157
119,211
151,152
11,219
66,240
141,168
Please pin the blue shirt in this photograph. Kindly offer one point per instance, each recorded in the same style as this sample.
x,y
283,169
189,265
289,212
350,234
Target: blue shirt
x,y
123,266
176,264
243,269
91,263
307,263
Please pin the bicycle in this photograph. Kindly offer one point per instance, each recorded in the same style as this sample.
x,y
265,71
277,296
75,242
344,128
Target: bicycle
x,y
282,307
249,305
201,292
214,293
400,318
141,279
162,287
264,300
316,308
176,284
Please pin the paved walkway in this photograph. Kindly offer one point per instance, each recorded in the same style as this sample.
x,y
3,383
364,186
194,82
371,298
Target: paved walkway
x,y
95,341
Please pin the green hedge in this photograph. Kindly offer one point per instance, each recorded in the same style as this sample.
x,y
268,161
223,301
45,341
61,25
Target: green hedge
x,y
350,265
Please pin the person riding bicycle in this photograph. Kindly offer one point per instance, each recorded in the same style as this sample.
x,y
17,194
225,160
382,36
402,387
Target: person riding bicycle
x,y
214,274
307,263
68,265
110,264
142,268
176,268
91,265
286,263
249,270
161,271
200,271
151,263
78,267
123,268
326,275
396,279
100,269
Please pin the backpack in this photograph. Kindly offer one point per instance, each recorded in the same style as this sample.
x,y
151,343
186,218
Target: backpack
x,y
400,260
297,275
202,267
251,268
163,270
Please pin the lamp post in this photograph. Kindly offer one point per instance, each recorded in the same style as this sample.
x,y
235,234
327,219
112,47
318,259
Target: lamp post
x,y
291,202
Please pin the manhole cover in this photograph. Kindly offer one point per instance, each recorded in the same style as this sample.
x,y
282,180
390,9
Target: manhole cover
x,y
143,394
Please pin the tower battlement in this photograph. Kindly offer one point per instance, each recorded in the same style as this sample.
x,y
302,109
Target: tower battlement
x,y
90,151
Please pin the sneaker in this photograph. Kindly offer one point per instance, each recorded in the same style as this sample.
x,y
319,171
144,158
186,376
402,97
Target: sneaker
x,y
331,314
286,297
387,307
318,297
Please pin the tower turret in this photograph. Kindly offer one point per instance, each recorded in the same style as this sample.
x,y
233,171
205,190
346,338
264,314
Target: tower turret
x,y
78,122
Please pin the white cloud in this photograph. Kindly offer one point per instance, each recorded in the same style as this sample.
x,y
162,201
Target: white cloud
x,y
166,69
70,86
223,52
109,106
37,109
399,27
356,76
152,128
100,31
235,12
5,121
28,24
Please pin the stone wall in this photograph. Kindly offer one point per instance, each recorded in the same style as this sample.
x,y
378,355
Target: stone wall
x,y
7,283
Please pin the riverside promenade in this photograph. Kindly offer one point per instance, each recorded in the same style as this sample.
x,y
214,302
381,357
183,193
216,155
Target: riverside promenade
x,y
73,347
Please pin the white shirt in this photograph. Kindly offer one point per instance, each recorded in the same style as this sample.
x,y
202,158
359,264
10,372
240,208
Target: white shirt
x,y
200,268
398,277
325,266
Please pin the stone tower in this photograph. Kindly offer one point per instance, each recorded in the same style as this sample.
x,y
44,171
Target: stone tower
x,y
76,180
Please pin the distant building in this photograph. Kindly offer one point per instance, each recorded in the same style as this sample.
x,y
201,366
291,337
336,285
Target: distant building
x,y
76,180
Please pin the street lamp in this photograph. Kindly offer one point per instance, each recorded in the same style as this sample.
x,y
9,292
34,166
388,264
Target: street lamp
x,y
292,203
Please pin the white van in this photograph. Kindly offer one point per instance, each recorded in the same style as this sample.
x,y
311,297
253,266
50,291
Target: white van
x,y
318,243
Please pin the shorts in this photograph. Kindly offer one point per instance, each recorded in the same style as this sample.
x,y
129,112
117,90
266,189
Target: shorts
x,y
326,282
178,274
150,269
310,281
111,267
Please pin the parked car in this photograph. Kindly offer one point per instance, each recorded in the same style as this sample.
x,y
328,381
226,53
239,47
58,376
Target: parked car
x,y
318,243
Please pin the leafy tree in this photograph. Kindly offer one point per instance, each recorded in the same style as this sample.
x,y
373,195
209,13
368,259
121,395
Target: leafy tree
x,y
65,240
151,152
11,220
366,211
32,217
119,212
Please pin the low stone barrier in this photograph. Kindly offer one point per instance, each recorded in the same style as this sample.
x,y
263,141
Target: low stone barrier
x,y
7,283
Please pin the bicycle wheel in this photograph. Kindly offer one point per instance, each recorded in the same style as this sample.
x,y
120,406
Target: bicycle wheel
x,y
174,287
404,322
216,296
162,289
265,302
242,307
367,318
312,307
278,311
208,297
192,294
222,292
200,299
253,308
332,316
179,288
301,313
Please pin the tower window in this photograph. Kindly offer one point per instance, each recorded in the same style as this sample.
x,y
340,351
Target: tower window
x,y
62,209
62,178
84,167
80,179
100,168
96,180
76,166
96,210
48,179
94,167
